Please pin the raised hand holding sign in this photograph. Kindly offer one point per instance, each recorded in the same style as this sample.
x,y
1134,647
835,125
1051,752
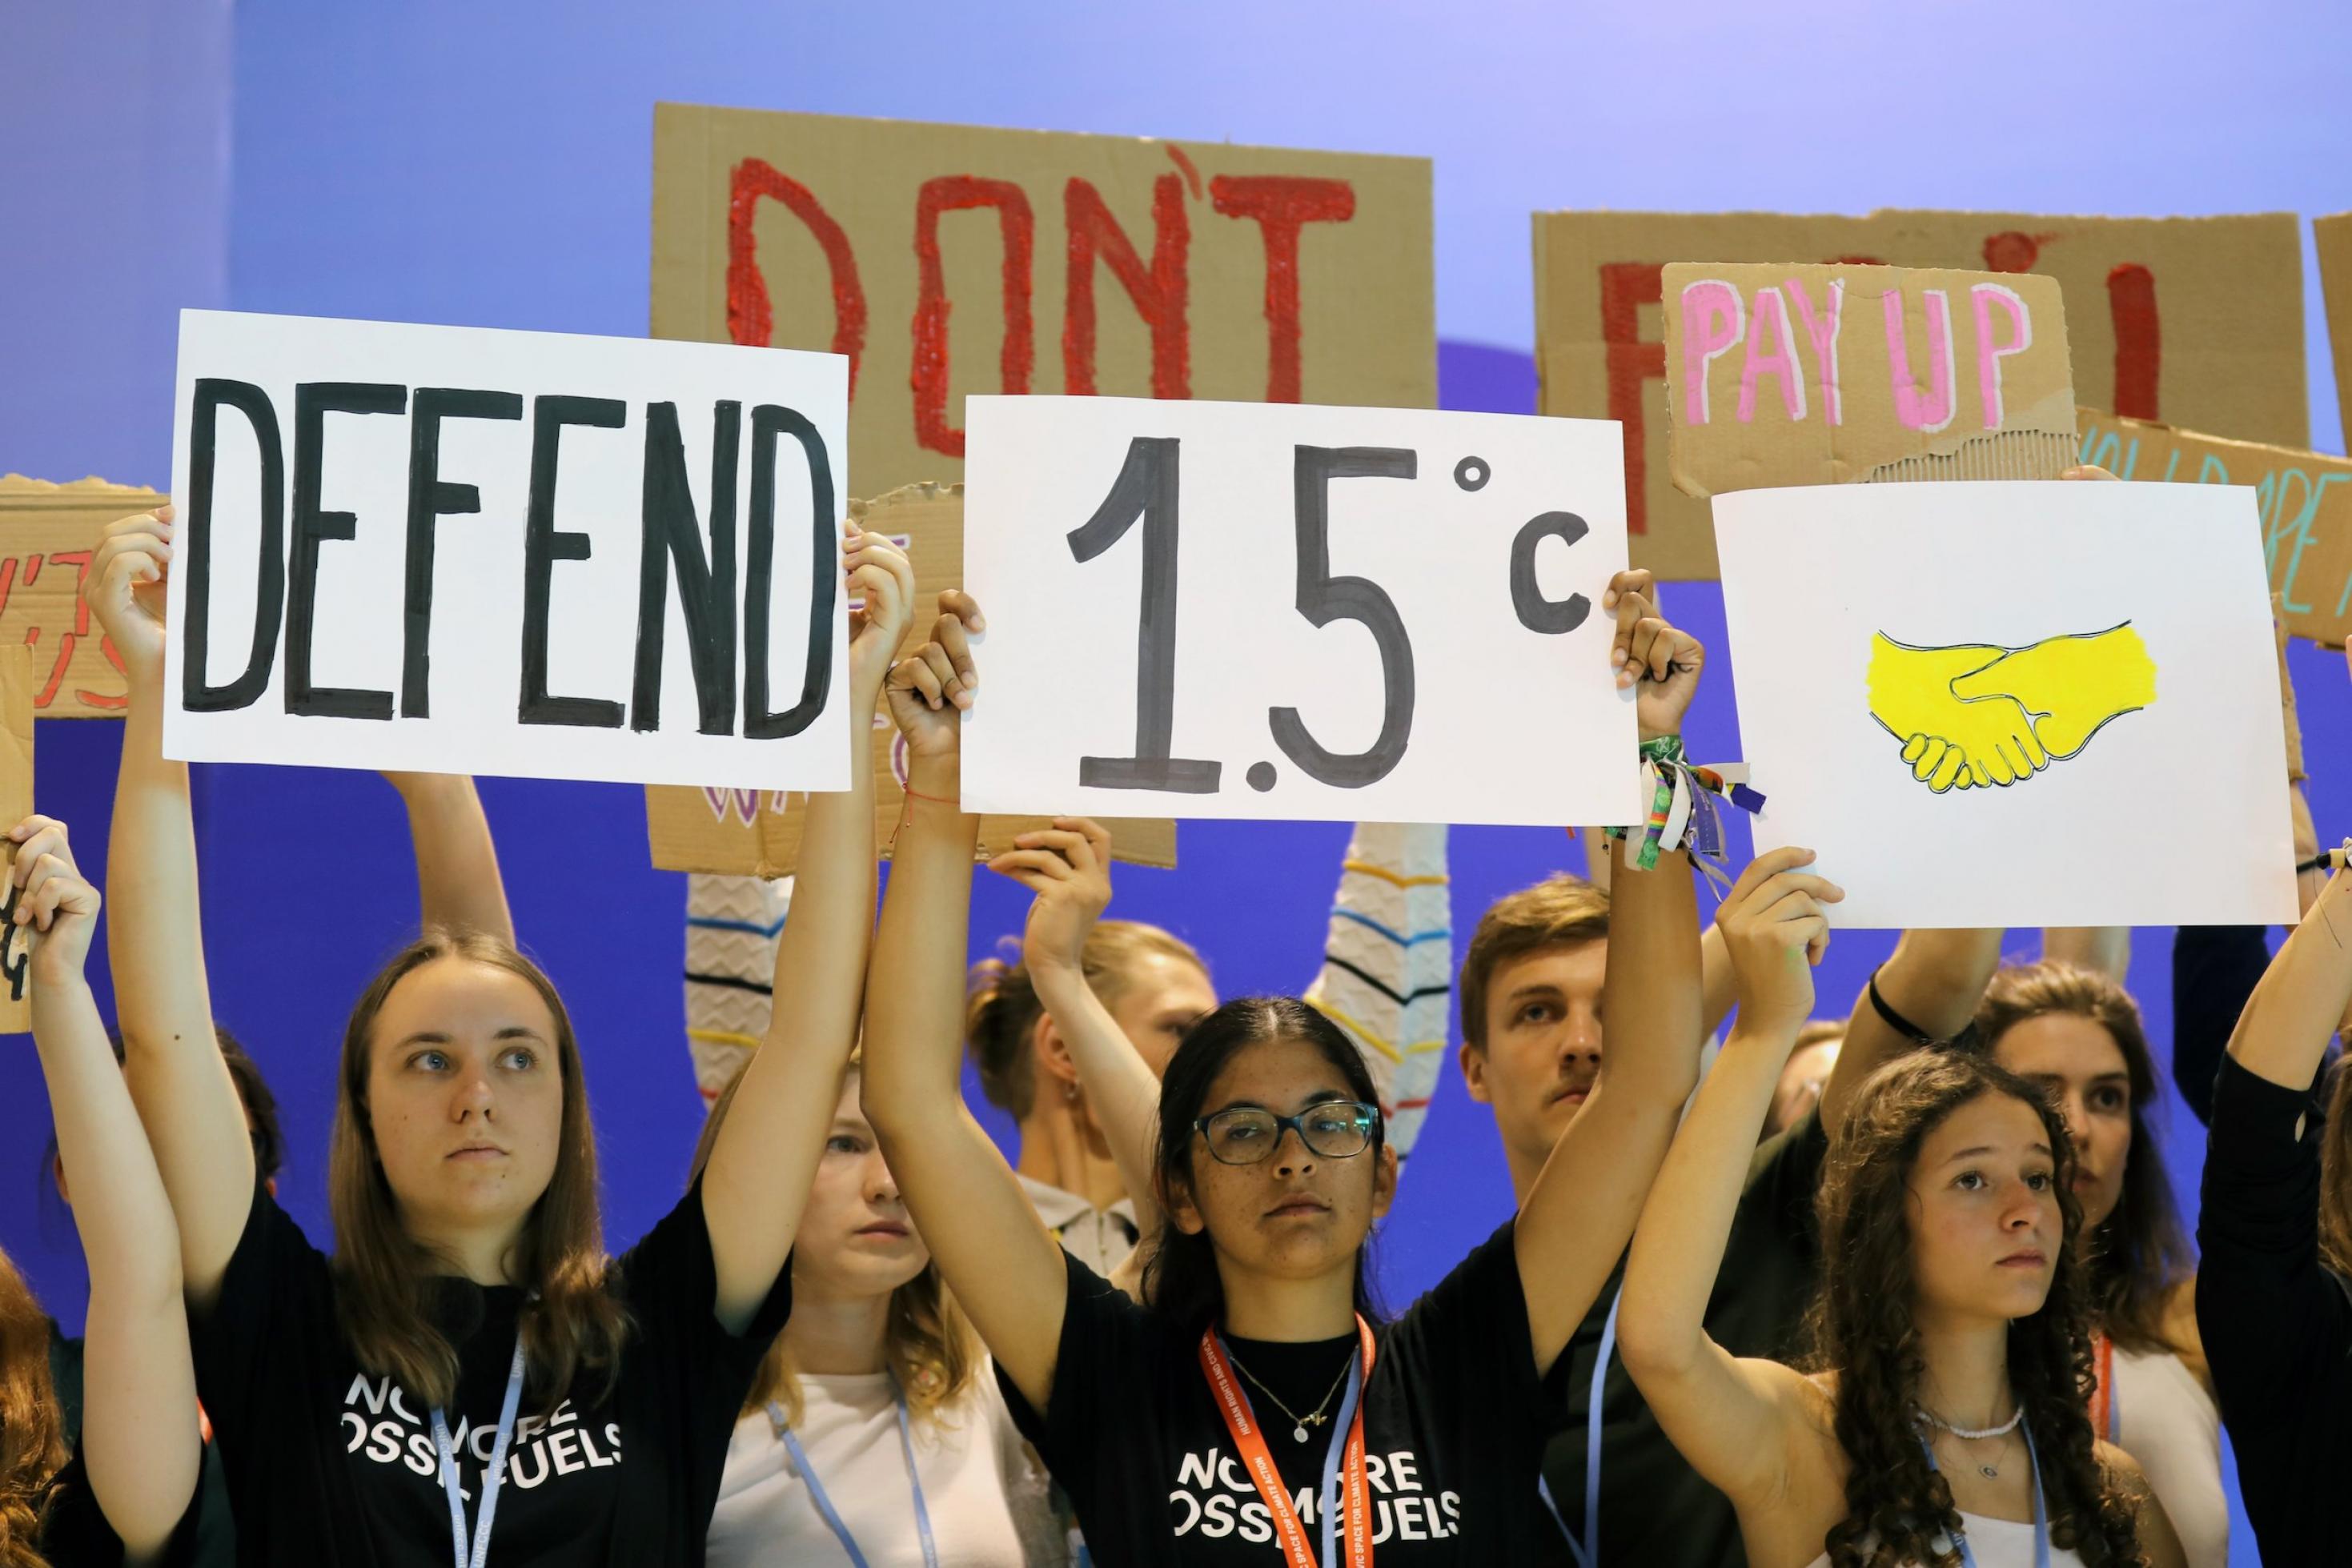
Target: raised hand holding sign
x,y
1347,612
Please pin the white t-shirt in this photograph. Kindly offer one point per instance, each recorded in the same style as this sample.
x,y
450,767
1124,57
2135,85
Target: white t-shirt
x,y
2169,1423
984,1489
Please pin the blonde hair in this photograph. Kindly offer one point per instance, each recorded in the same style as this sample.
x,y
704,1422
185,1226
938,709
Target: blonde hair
x,y
573,1322
32,1427
1003,1010
1561,911
928,1344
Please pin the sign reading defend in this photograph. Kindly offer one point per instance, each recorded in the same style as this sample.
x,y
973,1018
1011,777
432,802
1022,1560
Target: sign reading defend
x,y
462,550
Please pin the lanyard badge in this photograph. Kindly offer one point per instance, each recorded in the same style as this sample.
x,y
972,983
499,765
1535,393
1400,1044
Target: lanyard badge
x,y
1345,1493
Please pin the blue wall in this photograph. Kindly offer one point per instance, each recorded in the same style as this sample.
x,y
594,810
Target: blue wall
x,y
489,165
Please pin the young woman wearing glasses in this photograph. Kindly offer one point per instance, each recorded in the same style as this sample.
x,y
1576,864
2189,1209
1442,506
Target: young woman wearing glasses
x,y
1257,1405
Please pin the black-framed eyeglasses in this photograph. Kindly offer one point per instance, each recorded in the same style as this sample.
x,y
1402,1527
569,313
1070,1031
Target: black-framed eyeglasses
x,y
1247,1134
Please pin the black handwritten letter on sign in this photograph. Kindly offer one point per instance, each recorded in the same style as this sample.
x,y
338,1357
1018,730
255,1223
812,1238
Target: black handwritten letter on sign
x,y
1288,611
472,551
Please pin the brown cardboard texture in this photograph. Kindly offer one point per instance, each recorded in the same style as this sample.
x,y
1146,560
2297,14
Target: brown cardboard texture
x,y
2305,500
750,832
18,668
948,259
1796,374
2334,236
47,534
2196,321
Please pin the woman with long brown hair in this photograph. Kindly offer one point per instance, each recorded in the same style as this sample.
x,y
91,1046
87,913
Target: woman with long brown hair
x,y
2075,1033
469,1364
1943,1422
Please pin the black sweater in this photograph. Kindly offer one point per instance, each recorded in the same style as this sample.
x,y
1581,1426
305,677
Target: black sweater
x,y
2277,1325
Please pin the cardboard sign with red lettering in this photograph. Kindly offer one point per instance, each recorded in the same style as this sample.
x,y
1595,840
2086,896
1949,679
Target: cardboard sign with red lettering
x,y
948,259
2195,321
2304,498
752,832
19,667
1814,375
47,534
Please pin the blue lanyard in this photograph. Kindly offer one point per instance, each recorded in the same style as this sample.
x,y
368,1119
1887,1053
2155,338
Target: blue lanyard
x,y
825,1504
1588,1552
473,1554
1340,1424
2040,1520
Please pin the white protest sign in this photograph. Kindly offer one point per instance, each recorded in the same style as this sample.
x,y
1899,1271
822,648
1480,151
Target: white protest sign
x,y
1334,613
462,550
2013,704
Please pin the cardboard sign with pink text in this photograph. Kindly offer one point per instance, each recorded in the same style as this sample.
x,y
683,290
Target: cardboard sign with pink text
x,y
1791,374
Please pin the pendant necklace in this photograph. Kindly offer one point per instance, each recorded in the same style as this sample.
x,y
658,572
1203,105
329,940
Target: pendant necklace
x,y
1299,1424
1977,1435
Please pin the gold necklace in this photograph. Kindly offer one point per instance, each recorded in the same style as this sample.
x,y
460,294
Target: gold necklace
x,y
1299,1424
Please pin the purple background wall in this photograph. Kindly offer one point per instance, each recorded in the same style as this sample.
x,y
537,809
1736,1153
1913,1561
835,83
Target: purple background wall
x,y
455,163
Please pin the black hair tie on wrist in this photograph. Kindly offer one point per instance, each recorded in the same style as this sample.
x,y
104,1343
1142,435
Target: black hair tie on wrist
x,y
1897,1021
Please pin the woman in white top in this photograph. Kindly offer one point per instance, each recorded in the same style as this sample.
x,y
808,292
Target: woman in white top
x,y
2075,1033
875,1434
1947,1422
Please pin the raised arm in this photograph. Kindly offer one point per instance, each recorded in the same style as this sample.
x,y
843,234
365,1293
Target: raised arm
x,y
138,1435
1931,985
764,1158
1718,988
1069,868
2303,997
195,1122
1580,1211
1388,966
1004,1265
1734,1421
456,863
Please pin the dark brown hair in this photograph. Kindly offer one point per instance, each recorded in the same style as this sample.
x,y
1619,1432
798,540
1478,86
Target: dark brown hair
x,y
32,1427
1561,911
928,1344
386,1276
2139,1255
252,1091
1862,1328
1000,1015
1181,1278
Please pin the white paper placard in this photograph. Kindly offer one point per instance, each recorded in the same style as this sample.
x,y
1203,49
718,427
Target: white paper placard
x,y
471,571
1348,613
2124,627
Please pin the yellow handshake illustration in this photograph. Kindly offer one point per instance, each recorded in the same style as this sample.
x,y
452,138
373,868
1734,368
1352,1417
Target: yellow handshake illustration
x,y
1977,714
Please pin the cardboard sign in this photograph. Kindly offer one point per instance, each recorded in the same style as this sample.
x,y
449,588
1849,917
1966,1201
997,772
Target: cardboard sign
x,y
948,259
1814,375
751,832
18,669
2197,321
2304,498
1966,742
47,533
1327,613
2334,236
455,550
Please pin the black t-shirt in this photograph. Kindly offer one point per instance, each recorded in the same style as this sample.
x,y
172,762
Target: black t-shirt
x,y
2277,1323
208,1539
331,1466
1453,1429
1655,1510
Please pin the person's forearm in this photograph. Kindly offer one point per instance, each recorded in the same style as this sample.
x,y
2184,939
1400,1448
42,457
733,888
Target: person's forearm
x,y
2301,999
457,878
2104,948
920,945
1122,1089
1933,981
1652,994
1686,1225
187,1098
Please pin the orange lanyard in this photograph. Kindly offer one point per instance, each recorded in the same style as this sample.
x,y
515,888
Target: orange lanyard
x,y
1347,1475
2104,1413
